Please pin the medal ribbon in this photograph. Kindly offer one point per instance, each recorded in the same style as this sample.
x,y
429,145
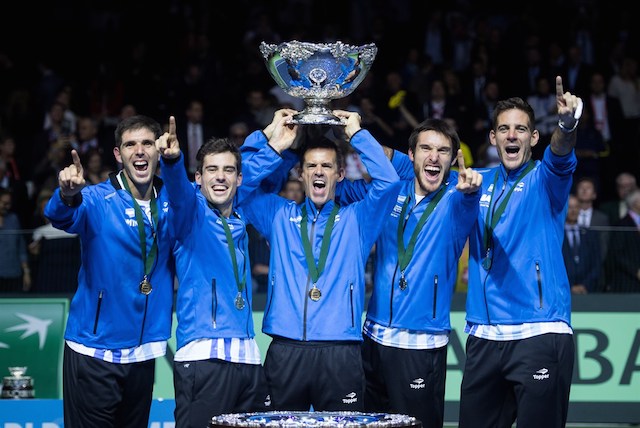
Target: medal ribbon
x,y
404,255
147,259
232,252
492,218
316,271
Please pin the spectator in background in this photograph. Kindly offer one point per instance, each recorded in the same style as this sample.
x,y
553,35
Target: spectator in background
x,y
589,216
589,148
57,131
95,171
55,254
617,208
45,172
13,178
293,190
193,133
581,252
623,261
607,117
238,131
258,110
87,137
543,102
15,275
625,86
69,117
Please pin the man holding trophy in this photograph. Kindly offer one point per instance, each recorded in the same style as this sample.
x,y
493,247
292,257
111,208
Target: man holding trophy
x,y
319,250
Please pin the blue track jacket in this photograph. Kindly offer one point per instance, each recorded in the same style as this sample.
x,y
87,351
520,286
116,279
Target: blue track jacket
x,y
108,311
207,286
431,274
527,281
337,315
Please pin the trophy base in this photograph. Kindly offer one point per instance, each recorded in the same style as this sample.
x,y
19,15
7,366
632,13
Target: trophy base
x,y
307,118
280,419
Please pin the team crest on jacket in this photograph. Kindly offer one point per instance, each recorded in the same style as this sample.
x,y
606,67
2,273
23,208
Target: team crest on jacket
x,y
130,220
397,208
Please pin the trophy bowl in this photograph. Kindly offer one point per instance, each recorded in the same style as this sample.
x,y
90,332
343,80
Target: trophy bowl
x,y
318,73
17,385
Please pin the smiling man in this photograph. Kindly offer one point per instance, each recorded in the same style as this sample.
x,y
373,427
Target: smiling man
x,y
217,368
319,250
520,348
120,315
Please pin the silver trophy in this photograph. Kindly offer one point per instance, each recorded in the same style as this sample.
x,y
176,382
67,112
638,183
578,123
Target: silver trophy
x,y
17,385
318,73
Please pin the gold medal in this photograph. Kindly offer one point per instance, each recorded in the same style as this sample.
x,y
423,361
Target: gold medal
x,y
145,286
403,281
314,293
239,302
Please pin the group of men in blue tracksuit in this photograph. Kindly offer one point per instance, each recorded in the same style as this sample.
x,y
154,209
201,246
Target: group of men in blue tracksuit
x,y
139,232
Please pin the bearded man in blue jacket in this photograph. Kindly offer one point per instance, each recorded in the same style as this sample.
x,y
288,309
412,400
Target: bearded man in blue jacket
x,y
407,325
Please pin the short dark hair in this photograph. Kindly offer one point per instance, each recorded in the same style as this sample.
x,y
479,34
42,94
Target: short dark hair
x,y
440,126
135,123
323,142
218,145
514,103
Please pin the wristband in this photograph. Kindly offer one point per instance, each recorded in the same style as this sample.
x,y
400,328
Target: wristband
x,y
577,114
566,130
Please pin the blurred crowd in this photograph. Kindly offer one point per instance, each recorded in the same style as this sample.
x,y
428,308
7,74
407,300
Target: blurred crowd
x,y
82,68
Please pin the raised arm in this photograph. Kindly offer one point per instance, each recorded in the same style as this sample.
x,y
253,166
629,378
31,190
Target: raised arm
x,y
260,164
181,192
385,184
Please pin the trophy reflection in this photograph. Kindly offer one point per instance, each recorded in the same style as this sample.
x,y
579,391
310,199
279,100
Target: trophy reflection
x,y
318,73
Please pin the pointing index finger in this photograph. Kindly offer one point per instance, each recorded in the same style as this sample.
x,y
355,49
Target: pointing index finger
x,y
559,88
172,125
460,160
76,160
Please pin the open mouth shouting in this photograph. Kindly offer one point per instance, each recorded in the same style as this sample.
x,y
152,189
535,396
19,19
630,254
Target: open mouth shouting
x,y
511,152
141,165
432,173
319,186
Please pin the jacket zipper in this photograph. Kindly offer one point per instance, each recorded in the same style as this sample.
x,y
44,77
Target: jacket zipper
x,y
435,295
539,279
144,318
214,302
393,290
351,304
95,322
